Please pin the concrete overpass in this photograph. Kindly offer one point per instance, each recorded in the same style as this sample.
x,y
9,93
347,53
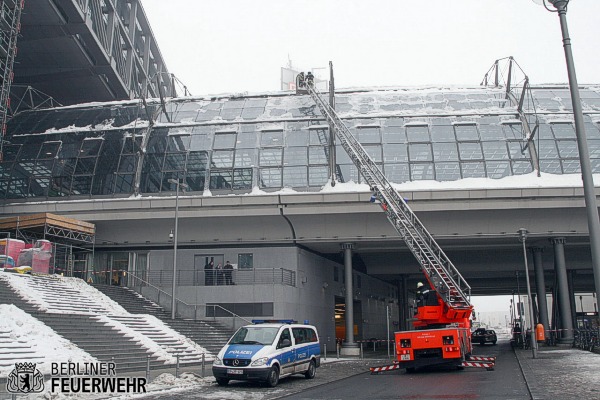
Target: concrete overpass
x,y
475,227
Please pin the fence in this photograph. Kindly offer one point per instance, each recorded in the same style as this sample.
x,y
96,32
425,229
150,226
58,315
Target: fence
x,y
214,277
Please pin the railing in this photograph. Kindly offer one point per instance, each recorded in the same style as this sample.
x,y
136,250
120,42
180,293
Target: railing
x,y
214,277
182,309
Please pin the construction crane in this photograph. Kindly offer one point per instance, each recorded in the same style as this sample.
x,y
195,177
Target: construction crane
x,y
442,334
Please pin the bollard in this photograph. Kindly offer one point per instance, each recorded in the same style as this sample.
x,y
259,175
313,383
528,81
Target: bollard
x,y
374,345
337,347
203,359
177,366
147,368
325,352
361,351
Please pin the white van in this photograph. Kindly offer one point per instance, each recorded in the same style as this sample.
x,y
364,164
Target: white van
x,y
267,352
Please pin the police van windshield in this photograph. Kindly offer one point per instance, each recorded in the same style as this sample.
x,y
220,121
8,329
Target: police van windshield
x,y
254,335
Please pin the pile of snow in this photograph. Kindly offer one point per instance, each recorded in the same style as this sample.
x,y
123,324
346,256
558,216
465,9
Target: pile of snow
x,y
42,339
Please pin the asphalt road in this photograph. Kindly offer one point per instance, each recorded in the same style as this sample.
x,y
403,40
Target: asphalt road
x,y
350,380
504,382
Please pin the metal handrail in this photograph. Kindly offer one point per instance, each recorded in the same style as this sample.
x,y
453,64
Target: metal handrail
x,y
181,302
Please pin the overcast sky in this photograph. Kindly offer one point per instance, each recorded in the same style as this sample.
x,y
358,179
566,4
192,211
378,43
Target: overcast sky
x,y
239,45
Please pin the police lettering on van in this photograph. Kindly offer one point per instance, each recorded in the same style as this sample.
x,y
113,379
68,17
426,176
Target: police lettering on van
x,y
267,352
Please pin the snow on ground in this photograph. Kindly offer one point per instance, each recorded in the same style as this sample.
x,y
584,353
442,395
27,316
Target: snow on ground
x,y
42,339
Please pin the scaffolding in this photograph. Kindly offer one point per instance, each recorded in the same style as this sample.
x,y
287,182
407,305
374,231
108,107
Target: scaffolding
x,y
10,25
73,250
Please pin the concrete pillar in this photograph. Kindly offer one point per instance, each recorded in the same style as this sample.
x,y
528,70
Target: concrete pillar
x,y
572,299
564,303
540,286
349,347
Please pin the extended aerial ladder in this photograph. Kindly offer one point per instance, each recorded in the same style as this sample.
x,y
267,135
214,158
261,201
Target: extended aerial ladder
x,y
435,264
452,307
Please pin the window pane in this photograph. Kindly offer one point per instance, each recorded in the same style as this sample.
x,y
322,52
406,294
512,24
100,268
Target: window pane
x,y
374,151
570,166
551,166
466,132
49,150
174,162
473,169
297,138
547,149
420,152
245,261
393,134
369,134
318,176
220,179
82,185
197,160
498,169
521,167
445,152
222,159
495,150
127,163
568,149
295,177
244,158
90,147
270,177
447,171
442,133
178,142
85,165
417,133
195,180
512,131
124,183
271,138
594,148
242,178
295,156
316,155
563,131
225,140
395,153
490,132
516,150
319,136
421,171
270,157
470,151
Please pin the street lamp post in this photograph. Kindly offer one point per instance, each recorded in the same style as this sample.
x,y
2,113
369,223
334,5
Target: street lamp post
x,y
185,186
523,236
584,157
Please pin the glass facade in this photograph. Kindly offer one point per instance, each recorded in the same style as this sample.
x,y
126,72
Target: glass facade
x,y
233,144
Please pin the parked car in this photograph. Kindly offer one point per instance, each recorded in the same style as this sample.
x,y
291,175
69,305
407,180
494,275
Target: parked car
x,y
483,336
268,351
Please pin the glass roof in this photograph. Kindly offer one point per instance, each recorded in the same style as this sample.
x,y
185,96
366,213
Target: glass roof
x,y
231,144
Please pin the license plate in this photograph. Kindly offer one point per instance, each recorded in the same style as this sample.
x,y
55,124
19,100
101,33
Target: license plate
x,y
405,357
235,371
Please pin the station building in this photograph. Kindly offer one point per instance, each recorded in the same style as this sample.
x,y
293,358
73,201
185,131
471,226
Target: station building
x,y
256,180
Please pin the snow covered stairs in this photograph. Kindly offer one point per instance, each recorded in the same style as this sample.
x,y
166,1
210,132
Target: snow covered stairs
x,y
171,341
103,340
208,334
13,351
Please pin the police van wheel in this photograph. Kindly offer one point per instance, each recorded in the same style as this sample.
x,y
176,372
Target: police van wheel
x,y
273,378
222,381
311,371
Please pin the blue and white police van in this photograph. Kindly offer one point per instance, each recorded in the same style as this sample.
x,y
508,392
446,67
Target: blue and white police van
x,y
269,351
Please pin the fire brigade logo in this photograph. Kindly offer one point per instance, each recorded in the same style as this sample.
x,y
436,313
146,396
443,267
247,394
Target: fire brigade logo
x,y
25,378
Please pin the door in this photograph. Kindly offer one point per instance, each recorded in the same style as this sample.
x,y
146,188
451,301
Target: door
x,y
287,357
